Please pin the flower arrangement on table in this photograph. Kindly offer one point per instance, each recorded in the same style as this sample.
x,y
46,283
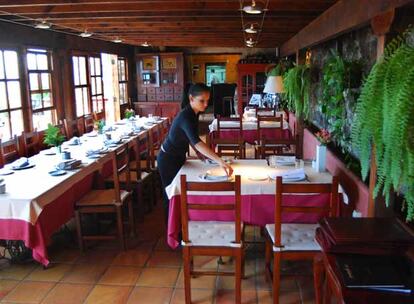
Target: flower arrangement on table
x,y
129,113
53,137
323,136
100,125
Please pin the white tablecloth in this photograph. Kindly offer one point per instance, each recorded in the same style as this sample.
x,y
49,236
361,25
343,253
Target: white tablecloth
x,y
247,124
248,169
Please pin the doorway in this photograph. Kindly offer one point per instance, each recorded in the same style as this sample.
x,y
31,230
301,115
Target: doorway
x,y
215,73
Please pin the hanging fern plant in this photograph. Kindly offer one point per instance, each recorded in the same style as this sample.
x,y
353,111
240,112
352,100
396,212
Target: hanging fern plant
x,y
385,119
297,83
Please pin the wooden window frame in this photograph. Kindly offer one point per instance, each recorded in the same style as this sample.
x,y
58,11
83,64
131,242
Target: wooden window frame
x,y
124,81
95,78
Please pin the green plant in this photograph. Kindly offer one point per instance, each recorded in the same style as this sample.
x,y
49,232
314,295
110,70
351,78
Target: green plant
x,y
385,120
100,124
338,77
129,113
52,136
297,82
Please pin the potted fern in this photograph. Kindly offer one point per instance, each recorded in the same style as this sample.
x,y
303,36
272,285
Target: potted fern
x,y
53,137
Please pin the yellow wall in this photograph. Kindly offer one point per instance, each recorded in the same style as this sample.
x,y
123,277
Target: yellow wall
x,y
200,76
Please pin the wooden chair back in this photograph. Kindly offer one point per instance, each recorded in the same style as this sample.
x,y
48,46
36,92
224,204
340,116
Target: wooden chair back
x,y
229,146
99,115
31,143
233,187
89,123
303,188
265,112
9,151
141,148
143,109
279,146
120,165
276,123
71,128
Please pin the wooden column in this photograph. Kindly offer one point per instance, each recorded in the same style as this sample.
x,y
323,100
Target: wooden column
x,y
380,25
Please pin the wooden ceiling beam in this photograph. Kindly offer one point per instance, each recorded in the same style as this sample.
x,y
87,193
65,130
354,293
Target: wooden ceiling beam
x,y
340,18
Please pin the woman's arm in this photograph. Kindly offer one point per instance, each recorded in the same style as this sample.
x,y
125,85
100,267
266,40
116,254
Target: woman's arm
x,y
205,150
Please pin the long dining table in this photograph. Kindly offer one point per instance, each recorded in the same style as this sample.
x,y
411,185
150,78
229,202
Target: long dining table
x,y
257,195
36,204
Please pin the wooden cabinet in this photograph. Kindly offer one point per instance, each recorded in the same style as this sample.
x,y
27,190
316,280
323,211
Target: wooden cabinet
x,y
160,77
164,109
251,80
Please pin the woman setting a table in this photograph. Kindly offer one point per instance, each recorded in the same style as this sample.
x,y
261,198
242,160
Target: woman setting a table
x,y
184,131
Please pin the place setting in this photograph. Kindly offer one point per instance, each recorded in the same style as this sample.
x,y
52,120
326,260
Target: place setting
x,y
22,164
215,175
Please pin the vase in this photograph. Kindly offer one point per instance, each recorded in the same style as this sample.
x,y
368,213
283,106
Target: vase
x,y
58,149
320,158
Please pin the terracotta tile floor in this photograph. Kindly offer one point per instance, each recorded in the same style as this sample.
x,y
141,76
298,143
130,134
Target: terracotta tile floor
x,y
148,272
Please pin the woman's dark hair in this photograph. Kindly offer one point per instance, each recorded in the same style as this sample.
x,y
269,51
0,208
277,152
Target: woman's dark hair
x,y
198,89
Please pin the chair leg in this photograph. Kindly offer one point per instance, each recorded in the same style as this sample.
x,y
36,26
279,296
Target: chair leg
x,y
268,257
120,225
276,277
187,274
318,277
131,218
238,276
79,230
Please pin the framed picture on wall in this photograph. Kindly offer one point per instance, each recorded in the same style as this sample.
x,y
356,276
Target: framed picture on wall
x,y
150,63
169,63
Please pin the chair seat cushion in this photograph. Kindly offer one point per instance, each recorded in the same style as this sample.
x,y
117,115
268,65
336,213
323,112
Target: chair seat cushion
x,y
295,237
211,233
101,198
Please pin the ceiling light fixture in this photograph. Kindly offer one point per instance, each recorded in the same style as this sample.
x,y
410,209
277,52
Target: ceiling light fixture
x,y
85,34
253,9
251,29
43,25
117,40
145,44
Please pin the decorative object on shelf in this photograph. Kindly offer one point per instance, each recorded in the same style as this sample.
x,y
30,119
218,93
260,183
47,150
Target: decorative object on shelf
x,y
129,113
53,137
384,120
100,125
324,138
169,63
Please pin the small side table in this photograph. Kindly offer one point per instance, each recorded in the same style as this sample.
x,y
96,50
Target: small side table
x,y
334,286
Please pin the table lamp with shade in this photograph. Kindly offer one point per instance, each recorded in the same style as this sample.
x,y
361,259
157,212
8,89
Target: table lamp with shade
x,y
274,85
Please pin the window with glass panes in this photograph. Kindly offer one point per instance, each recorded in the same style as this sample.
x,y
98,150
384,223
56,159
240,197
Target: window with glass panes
x,y
95,71
80,81
10,95
123,80
39,70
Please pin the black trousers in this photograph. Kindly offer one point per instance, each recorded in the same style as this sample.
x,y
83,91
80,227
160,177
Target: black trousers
x,y
168,167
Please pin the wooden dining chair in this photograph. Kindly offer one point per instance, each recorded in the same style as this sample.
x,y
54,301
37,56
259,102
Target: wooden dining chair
x,y
212,238
141,175
30,143
229,146
71,128
281,146
266,125
9,151
89,123
265,112
295,241
99,115
109,200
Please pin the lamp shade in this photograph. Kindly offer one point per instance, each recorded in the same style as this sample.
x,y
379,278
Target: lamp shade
x,y
274,84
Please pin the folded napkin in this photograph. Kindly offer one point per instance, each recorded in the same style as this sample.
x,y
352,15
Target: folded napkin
x,y
96,151
111,142
69,164
289,175
74,141
21,163
285,160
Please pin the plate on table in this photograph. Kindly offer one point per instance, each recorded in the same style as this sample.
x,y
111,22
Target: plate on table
x,y
6,172
28,166
258,177
49,152
57,172
94,156
212,176
91,134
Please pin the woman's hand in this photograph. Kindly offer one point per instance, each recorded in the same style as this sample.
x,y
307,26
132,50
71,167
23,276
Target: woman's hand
x,y
227,168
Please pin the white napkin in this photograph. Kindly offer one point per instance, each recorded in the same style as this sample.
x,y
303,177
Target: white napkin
x,y
215,178
20,163
289,175
285,160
